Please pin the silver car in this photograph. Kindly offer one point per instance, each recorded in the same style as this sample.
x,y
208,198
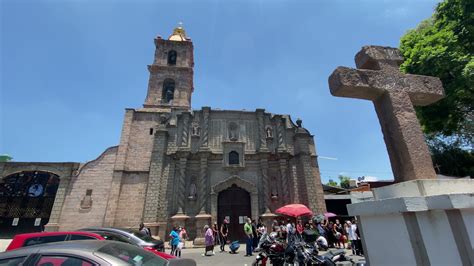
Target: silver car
x,y
86,253
128,235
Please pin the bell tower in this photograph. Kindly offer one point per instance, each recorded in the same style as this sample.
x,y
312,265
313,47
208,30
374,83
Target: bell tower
x,y
171,75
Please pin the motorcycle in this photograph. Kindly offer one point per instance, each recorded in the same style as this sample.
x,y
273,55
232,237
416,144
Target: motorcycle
x,y
297,251
270,249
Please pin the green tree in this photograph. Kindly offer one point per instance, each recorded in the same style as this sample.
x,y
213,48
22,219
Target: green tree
x,y
344,181
332,183
443,46
5,158
450,159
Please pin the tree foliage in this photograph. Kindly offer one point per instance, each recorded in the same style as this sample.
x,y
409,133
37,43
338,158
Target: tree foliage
x,y
332,183
344,181
443,46
451,160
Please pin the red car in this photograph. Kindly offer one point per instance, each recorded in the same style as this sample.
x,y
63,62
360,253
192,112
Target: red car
x,y
24,240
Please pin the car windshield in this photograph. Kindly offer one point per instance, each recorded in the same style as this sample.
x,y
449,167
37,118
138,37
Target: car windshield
x,y
141,235
132,255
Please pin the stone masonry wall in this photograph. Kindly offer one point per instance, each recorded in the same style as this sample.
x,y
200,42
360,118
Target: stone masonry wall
x,y
95,175
131,200
140,143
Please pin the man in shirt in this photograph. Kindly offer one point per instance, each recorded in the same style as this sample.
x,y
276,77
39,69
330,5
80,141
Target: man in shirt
x,y
249,235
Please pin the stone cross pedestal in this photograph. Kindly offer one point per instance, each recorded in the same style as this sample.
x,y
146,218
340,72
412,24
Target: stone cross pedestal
x,y
394,94
267,219
422,221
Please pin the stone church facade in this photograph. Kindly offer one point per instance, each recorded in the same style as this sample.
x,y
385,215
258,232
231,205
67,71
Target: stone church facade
x,y
175,165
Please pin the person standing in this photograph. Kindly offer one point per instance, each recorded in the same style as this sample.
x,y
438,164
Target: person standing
x,y
215,231
208,240
183,236
249,235
299,227
224,231
359,249
174,241
351,232
144,230
255,235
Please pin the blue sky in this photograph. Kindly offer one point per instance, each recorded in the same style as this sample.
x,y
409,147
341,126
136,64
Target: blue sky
x,y
69,68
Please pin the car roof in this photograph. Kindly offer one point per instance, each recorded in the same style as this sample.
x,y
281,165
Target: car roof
x,y
60,247
109,229
38,234
18,240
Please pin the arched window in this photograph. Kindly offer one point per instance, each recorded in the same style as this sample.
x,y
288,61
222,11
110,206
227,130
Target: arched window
x,y
168,90
233,157
172,56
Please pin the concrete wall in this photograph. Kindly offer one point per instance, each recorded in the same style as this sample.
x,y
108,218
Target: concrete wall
x,y
422,226
388,233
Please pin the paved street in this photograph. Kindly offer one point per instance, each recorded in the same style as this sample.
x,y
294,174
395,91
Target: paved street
x,y
224,258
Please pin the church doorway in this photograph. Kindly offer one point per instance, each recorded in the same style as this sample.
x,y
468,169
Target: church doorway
x,y
234,203
26,201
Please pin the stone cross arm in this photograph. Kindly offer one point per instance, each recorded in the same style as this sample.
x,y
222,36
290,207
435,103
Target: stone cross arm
x,y
371,84
378,79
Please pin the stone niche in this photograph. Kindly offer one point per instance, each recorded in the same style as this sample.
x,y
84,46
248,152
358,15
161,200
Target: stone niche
x,y
233,154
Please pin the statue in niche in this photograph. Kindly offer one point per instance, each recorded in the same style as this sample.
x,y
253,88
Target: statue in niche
x,y
233,131
192,192
196,130
164,117
269,132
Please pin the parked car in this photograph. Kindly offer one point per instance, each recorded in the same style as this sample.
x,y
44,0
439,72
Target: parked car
x,y
24,240
131,236
30,239
86,253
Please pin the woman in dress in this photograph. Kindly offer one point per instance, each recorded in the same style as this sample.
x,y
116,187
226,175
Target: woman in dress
x,y
208,240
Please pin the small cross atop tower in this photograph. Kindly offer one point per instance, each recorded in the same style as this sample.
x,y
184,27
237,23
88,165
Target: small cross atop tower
x,y
171,74
394,94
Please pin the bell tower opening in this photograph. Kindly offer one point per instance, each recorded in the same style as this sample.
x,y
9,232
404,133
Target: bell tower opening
x,y
171,75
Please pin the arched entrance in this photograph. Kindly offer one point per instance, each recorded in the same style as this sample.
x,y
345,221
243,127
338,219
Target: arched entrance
x,y
26,201
234,203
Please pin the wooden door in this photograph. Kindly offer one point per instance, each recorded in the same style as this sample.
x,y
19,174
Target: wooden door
x,y
234,203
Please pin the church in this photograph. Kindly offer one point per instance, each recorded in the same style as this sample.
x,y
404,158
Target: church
x,y
174,165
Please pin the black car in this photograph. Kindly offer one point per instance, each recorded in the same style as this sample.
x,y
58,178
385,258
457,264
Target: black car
x,y
131,236
86,253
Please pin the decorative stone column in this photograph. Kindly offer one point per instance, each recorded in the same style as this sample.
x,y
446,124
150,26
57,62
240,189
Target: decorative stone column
x,y
285,181
265,183
205,128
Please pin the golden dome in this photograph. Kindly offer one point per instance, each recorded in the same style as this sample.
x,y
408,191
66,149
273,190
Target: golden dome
x,y
179,34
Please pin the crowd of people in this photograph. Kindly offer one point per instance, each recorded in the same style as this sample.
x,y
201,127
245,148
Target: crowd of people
x,y
330,234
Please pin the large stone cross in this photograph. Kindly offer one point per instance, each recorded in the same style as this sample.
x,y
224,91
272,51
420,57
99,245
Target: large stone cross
x,y
394,94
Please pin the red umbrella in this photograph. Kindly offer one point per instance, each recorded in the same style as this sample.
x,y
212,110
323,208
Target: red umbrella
x,y
294,210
